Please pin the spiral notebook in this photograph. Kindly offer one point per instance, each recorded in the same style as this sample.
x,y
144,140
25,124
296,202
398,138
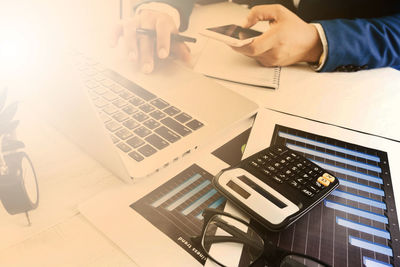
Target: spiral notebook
x,y
219,61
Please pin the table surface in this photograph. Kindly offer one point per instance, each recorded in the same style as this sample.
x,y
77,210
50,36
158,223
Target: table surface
x,y
364,101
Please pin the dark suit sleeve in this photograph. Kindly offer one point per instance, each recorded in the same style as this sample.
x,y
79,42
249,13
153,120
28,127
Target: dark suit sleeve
x,y
184,8
362,43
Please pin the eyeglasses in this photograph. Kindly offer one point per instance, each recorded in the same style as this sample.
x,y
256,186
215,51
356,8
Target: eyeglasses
x,y
224,234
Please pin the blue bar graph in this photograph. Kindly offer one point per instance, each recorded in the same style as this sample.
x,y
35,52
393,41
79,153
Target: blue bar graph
x,y
335,158
363,228
328,146
359,199
199,202
362,208
188,195
356,211
365,244
176,190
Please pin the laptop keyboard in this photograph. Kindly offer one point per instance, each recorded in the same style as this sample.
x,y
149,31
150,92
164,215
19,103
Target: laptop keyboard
x,y
140,123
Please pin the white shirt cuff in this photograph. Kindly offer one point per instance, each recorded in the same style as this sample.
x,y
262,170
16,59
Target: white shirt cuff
x,y
161,7
324,42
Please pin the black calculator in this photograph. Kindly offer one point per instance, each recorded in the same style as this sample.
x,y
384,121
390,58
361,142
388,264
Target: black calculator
x,y
275,186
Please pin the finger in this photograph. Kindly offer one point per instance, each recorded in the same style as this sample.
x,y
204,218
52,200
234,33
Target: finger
x,y
259,45
262,13
181,51
117,32
129,32
164,28
146,45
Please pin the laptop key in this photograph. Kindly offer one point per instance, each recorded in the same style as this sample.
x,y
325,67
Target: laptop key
x,y
129,109
120,117
130,124
125,148
104,118
136,156
147,150
157,115
123,134
146,108
107,82
142,131
110,96
110,109
125,95
159,103
183,117
151,124
136,101
172,111
116,88
135,142
156,141
176,126
140,116
194,125
113,126
114,139
167,134
100,103
119,103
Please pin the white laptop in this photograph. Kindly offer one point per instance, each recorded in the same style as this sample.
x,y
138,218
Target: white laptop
x,y
135,124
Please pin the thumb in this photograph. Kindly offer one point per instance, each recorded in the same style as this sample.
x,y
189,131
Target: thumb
x,y
262,13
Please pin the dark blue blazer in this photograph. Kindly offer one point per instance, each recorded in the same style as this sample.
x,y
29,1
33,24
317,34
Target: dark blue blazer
x,y
361,34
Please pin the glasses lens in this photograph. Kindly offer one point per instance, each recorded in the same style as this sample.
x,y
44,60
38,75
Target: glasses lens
x,y
225,239
298,261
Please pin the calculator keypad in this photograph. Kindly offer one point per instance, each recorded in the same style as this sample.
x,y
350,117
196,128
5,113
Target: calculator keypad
x,y
283,166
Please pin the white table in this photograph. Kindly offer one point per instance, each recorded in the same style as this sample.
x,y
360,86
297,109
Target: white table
x,y
365,101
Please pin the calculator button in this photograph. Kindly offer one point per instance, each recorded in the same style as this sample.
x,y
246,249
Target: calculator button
x,y
295,184
312,173
271,155
260,161
318,185
306,176
271,168
289,158
301,180
277,165
254,164
282,176
323,181
289,173
277,179
266,157
266,172
328,177
313,189
307,192
279,150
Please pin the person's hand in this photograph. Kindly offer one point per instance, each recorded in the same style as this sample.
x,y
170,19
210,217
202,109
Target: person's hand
x,y
288,40
146,50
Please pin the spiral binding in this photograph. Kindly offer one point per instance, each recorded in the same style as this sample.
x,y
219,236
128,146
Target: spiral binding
x,y
277,75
